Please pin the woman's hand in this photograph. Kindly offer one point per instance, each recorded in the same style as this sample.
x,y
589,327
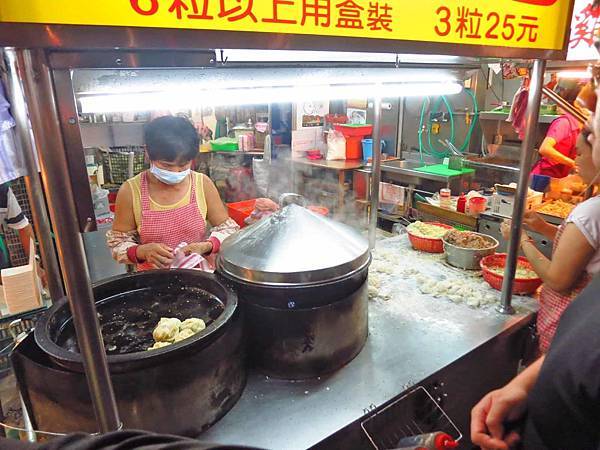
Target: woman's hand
x,y
159,255
534,222
201,248
490,415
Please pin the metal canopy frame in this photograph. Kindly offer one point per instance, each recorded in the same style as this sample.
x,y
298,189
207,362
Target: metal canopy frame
x,y
43,105
49,91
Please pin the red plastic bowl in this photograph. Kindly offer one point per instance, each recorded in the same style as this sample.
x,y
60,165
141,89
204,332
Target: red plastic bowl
x,y
322,210
521,286
429,245
314,154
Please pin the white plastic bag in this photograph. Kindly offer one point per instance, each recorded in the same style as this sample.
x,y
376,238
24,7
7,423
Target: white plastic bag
x,y
336,146
260,169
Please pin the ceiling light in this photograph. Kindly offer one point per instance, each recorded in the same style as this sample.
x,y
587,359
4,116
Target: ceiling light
x,y
574,74
185,98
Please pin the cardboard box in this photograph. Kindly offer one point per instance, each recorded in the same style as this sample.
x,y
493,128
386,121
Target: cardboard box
x,y
391,197
21,286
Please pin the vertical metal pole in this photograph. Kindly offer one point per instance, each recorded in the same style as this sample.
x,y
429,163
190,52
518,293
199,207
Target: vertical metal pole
x,y
375,172
38,84
527,151
32,181
400,132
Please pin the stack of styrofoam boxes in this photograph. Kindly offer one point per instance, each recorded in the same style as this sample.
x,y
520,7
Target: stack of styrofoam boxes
x,y
21,286
503,200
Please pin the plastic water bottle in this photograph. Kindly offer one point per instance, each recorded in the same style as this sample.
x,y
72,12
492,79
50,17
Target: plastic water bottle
x,y
445,198
461,204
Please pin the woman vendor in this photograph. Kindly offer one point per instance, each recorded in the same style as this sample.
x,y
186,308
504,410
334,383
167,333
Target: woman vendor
x,y
576,251
557,152
164,211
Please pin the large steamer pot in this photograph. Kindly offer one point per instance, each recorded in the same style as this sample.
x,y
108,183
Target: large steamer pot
x,y
301,279
181,389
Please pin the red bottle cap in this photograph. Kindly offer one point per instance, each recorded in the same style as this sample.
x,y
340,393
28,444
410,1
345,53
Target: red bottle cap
x,y
444,441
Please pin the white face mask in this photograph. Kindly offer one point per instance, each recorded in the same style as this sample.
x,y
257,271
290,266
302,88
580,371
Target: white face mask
x,y
168,177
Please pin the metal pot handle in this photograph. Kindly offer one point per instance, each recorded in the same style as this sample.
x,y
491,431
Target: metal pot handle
x,y
289,197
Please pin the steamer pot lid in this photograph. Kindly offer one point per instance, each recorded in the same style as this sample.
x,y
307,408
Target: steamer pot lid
x,y
294,246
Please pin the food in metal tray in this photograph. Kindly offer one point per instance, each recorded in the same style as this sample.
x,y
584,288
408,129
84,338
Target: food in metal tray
x,y
557,208
171,330
166,329
427,230
194,324
466,239
158,345
522,272
183,334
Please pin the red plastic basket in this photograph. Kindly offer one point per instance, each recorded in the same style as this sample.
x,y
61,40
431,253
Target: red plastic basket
x,y
239,211
521,286
354,130
429,245
354,135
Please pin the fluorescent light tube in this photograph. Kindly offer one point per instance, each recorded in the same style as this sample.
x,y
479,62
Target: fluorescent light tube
x,y
186,98
574,74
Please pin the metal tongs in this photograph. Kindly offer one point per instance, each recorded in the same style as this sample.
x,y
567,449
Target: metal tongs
x,y
457,158
577,114
450,146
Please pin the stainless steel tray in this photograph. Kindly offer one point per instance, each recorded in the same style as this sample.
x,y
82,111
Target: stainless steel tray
x,y
414,413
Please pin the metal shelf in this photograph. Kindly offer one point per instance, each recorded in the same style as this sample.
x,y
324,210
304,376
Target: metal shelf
x,y
490,115
234,153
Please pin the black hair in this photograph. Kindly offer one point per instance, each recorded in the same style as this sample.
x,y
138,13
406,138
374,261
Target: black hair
x,y
568,89
171,139
585,134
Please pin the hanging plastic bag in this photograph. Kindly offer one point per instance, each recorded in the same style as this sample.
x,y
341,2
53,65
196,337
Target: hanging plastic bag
x,y
260,169
336,146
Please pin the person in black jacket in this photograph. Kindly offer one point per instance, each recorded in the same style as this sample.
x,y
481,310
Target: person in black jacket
x,y
558,396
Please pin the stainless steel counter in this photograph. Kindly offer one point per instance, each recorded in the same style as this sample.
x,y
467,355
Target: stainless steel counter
x,y
503,116
411,337
331,165
404,172
407,169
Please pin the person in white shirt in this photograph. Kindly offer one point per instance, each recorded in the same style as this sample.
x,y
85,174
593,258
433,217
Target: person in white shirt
x,y
575,255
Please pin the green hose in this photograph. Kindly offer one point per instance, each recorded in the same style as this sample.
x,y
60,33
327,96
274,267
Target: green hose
x,y
432,150
436,107
473,121
420,132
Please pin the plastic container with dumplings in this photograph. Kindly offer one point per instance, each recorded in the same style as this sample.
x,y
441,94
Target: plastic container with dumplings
x,y
429,245
521,286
